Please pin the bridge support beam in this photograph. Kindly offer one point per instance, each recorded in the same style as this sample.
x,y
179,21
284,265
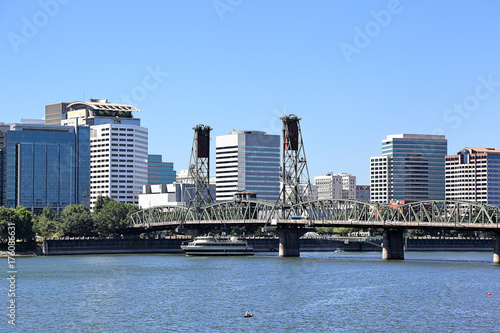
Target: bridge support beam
x,y
393,246
496,251
289,241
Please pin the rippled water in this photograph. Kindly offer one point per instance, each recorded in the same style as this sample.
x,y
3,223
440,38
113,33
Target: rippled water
x,y
330,292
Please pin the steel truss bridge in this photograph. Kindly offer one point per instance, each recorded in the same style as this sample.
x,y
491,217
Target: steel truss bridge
x,y
293,215
291,222
324,213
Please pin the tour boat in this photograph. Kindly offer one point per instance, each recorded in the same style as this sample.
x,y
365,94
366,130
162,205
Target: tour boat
x,y
217,246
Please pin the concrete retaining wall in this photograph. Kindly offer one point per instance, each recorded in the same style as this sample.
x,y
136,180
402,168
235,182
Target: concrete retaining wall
x,y
449,244
111,245
63,246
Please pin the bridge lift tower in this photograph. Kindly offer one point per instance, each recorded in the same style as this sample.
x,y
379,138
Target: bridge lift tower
x,y
199,167
296,183
296,186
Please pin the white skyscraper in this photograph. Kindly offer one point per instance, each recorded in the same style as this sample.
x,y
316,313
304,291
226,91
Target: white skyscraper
x,y
380,167
118,162
247,160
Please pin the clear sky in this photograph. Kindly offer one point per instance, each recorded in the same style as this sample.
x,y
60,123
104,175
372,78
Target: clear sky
x,y
354,71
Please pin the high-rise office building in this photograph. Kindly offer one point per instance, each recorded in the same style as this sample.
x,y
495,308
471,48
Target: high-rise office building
x,y
329,186
45,166
363,192
336,186
380,182
119,147
55,113
348,186
248,160
473,174
411,168
160,172
118,162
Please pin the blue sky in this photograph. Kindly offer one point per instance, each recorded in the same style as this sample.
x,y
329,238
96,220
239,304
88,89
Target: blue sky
x,y
354,71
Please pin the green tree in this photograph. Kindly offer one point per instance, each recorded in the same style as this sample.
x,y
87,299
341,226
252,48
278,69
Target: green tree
x,y
77,220
103,113
7,215
48,224
125,114
113,217
100,203
324,230
22,219
24,223
343,230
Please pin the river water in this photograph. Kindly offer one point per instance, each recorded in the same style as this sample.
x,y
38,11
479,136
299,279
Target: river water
x,y
318,292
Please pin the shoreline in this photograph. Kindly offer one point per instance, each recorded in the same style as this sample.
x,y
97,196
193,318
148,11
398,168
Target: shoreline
x,y
171,244
5,254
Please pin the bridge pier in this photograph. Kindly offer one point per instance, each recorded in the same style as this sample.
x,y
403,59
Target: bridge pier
x,y
496,251
393,246
289,241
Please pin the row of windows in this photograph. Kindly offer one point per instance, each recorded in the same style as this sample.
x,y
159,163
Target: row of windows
x,y
114,181
218,153
122,155
226,158
95,150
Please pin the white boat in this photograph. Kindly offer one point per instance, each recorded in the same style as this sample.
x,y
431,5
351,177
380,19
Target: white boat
x,y
217,246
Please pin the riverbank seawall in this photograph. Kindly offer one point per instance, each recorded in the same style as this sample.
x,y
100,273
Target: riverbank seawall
x,y
171,244
89,245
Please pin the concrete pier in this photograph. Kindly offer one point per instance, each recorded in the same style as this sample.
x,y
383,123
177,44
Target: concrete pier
x,y
393,245
496,250
289,241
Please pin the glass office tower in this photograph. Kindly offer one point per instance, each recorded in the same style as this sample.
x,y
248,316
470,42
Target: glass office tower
x,y
411,168
160,172
45,166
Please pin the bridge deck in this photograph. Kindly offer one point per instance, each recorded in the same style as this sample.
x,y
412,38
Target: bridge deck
x,y
323,223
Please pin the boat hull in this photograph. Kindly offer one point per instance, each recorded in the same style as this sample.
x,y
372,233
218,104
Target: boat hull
x,y
217,246
190,251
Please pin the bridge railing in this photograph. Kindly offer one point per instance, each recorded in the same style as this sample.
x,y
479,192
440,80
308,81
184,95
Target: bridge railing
x,y
156,215
338,209
458,212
